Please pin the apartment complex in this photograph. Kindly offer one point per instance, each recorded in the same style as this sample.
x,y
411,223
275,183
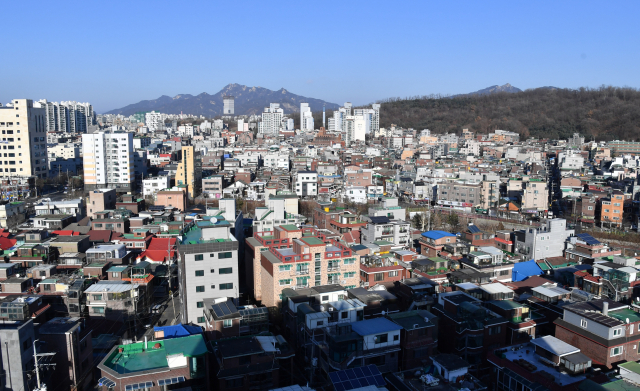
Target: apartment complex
x,y
108,161
189,171
68,117
271,119
299,258
24,139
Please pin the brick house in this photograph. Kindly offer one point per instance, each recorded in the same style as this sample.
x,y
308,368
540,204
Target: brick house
x,y
375,269
599,329
432,242
172,199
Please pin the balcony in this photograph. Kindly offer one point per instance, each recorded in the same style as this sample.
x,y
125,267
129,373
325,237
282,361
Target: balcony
x,y
302,272
301,286
333,269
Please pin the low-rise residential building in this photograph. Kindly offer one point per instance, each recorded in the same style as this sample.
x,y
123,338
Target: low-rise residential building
x,y
157,365
611,209
382,229
306,183
543,242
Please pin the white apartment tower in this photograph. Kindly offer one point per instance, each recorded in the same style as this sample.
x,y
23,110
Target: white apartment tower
x,y
228,105
70,117
240,125
108,161
271,119
355,128
306,117
155,120
24,139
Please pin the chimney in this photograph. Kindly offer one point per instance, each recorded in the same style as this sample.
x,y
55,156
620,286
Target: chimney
x,y
605,308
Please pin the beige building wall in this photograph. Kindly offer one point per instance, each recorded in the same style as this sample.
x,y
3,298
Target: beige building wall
x,y
23,131
189,170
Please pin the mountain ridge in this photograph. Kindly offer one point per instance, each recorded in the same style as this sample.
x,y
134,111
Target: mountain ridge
x,y
248,101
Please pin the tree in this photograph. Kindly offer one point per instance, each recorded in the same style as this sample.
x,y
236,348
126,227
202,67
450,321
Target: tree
x,y
500,226
454,221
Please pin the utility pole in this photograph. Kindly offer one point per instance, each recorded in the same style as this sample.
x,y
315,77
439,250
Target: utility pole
x,y
35,357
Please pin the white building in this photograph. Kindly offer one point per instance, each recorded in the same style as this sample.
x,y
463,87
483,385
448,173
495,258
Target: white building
x,y
150,186
306,117
271,119
188,130
154,120
306,183
276,160
108,161
355,128
229,105
73,117
64,151
241,125
355,194
373,115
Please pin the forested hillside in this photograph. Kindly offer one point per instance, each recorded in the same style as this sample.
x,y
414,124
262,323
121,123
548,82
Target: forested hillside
x,y
606,113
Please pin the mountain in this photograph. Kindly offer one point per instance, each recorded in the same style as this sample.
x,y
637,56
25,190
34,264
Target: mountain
x,y
248,100
492,90
605,113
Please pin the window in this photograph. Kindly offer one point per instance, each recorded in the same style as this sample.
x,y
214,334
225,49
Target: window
x,y
98,310
199,257
617,332
200,288
200,304
97,297
213,270
234,383
26,344
227,323
616,351
213,286
381,338
631,328
225,270
393,274
494,330
199,273
225,255
583,323
200,319
226,286
344,314
396,337
378,276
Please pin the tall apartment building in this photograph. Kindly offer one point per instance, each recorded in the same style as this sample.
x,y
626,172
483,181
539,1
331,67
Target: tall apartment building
x,y
228,105
70,117
108,161
24,139
208,267
373,116
271,119
189,170
355,128
306,117
155,120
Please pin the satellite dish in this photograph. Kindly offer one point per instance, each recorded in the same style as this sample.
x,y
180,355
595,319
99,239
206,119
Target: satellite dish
x,y
213,220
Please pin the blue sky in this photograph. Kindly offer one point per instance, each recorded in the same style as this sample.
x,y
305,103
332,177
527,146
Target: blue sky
x,y
113,53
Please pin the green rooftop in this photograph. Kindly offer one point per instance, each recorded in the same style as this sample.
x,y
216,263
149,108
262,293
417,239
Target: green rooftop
x,y
506,304
631,366
312,241
290,227
134,358
625,314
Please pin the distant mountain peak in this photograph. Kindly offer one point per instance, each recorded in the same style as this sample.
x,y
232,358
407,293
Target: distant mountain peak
x,y
492,90
248,100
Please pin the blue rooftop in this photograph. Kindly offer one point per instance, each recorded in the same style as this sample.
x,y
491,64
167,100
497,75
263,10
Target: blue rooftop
x,y
179,330
436,234
374,326
523,270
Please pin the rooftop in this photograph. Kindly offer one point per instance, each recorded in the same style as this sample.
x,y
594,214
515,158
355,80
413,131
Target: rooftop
x,y
135,358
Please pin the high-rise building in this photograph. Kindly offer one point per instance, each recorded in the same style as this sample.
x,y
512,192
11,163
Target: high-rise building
x,y
228,105
24,139
70,117
189,170
108,160
155,120
373,115
271,119
306,117
240,125
355,128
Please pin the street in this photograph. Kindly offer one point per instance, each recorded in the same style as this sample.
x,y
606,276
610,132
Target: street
x,y
167,318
